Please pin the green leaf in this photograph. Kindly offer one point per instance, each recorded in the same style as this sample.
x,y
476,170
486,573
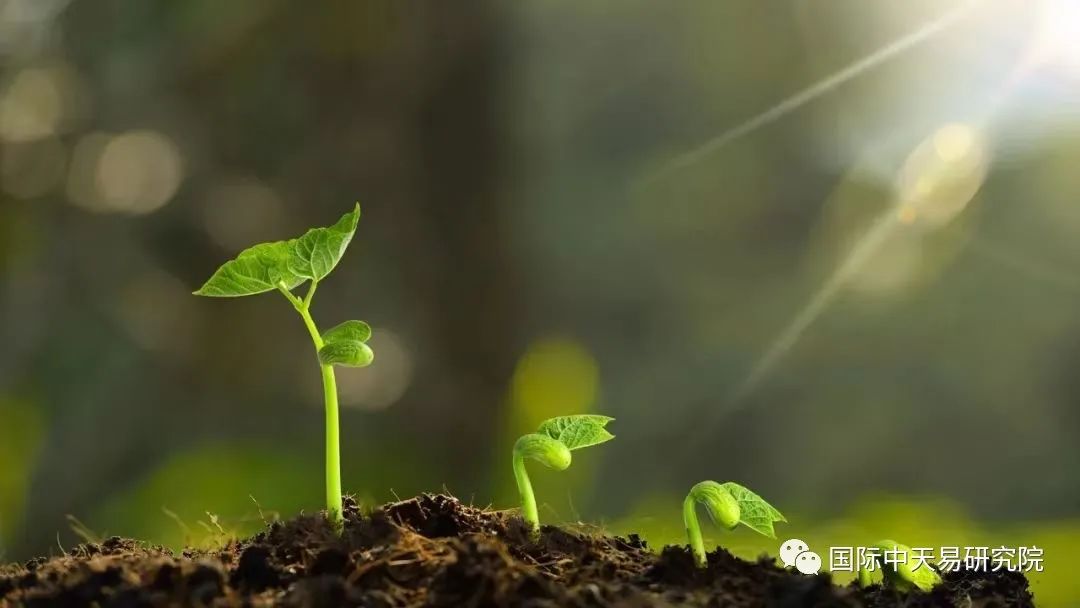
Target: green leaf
x,y
315,254
721,505
346,353
754,512
904,574
357,331
579,431
257,269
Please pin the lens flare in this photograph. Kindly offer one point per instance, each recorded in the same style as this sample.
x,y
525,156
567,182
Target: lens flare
x,y
941,176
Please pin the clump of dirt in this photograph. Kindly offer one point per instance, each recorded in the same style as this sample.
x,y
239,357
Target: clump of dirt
x,y
434,551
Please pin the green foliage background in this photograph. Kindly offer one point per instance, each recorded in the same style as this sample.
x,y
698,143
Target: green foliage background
x,y
742,317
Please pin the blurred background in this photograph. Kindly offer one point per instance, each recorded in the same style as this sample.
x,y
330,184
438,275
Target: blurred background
x,y
826,249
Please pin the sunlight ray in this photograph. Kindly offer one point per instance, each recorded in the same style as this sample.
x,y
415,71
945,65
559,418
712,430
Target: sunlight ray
x,y
786,339
809,94
1031,269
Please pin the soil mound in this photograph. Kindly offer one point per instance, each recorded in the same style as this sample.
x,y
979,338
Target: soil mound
x,y
434,551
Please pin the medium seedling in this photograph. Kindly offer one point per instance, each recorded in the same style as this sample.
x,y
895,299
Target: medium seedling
x,y
283,266
551,445
728,504
897,568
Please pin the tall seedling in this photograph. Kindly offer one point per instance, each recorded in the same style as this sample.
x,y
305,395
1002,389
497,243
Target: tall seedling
x,y
284,266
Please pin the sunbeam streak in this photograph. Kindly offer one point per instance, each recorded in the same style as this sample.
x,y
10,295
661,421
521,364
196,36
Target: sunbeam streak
x,y
935,185
1029,268
808,94
864,249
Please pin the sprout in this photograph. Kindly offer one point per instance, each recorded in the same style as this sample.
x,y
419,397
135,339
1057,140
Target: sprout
x,y
551,445
728,504
898,570
284,266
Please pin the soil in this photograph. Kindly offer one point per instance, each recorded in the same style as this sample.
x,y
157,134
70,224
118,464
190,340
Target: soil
x,y
434,551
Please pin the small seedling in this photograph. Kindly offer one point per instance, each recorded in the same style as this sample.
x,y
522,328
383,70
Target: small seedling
x,y
897,568
551,445
284,266
728,504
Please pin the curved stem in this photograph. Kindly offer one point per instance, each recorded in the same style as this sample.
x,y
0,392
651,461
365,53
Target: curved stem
x,y
528,500
693,530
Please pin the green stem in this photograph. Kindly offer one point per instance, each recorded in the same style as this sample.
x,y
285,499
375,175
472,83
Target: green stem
x,y
333,449
333,435
310,294
528,500
693,529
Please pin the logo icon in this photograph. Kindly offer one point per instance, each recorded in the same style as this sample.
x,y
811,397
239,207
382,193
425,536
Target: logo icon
x,y
790,550
797,554
808,562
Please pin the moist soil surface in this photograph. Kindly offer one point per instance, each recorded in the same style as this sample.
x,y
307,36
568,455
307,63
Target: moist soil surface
x,y
435,551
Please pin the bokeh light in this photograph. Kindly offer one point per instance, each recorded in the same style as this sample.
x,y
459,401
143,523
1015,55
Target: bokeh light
x,y
384,382
138,172
135,172
555,376
31,106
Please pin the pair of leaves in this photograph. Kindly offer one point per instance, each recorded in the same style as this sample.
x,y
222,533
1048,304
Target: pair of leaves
x,y
345,345
265,266
576,432
730,504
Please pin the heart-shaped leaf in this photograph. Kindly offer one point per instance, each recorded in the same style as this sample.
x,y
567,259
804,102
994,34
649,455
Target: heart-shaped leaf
x,y
315,254
346,353
754,512
579,431
257,269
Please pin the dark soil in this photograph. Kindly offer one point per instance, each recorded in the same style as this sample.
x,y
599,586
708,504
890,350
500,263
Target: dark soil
x,y
434,551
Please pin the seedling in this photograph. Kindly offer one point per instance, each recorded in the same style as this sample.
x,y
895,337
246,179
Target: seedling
x,y
284,266
551,445
898,570
728,504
